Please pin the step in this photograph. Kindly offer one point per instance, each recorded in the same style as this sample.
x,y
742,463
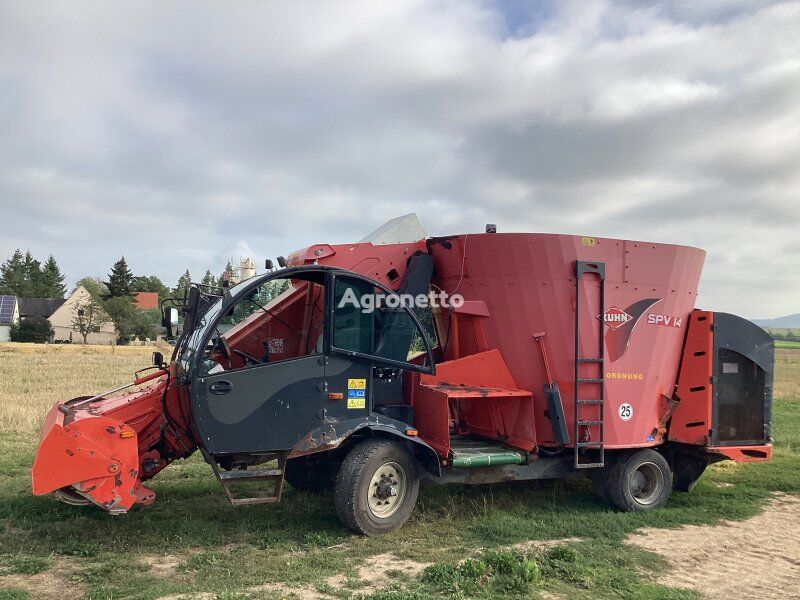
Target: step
x,y
590,423
250,475
590,360
475,453
590,444
470,391
590,380
592,465
589,402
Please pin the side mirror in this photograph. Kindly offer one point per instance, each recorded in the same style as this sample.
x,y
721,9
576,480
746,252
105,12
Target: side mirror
x,y
158,359
268,264
282,262
170,320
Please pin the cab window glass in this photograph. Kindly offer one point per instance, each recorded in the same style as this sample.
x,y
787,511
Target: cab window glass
x,y
278,320
370,322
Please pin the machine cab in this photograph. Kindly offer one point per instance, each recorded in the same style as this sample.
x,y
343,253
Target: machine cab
x,y
292,351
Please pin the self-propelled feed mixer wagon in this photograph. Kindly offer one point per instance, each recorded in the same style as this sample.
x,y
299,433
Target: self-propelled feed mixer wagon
x,y
474,358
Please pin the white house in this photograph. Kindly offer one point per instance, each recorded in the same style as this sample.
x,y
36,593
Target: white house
x,y
64,315
9,315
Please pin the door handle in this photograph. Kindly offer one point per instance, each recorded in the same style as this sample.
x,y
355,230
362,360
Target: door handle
x,y
220,387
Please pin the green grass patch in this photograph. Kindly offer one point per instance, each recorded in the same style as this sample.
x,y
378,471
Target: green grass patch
x,y
191,540
786,344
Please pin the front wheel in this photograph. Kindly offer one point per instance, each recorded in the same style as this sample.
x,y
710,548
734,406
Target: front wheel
x,y
377,487
639,481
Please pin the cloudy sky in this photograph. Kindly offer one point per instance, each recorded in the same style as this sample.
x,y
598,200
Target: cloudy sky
x,y
183,133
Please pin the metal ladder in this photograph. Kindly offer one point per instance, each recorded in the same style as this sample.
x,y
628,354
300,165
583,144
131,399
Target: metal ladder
x,y
589,411
275,476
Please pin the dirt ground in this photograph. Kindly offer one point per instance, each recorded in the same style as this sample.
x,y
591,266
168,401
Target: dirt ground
x,y
756,558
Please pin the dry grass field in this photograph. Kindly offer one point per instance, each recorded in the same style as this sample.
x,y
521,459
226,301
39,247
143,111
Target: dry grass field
x,y
34,376
551,539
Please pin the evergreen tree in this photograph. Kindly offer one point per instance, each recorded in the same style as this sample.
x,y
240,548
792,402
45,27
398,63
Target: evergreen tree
x,y
120,280
183,285
229,271
209,279
13,276
53,279
34,278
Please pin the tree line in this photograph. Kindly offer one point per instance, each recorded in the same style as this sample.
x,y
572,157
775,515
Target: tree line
x,y
110,300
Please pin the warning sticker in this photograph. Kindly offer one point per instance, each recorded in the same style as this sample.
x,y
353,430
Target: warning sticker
x,y
356,403
275,345
356,393
356,384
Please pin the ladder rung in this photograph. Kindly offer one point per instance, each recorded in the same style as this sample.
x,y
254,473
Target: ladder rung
x,y
585,402
590,444
589,465
591,380
590,360
590,423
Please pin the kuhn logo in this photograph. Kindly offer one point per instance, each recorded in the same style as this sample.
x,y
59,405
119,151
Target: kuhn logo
x,y
615,317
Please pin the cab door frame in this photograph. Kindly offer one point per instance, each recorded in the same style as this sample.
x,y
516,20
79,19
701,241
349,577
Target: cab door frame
x,y
196,379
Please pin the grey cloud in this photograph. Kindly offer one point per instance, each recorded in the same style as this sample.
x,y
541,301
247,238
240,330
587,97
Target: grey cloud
x,y
180,133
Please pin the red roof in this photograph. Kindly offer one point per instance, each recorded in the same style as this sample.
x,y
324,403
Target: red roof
x,y
146,300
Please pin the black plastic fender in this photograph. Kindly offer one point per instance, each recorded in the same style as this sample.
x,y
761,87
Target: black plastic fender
x,y
334,434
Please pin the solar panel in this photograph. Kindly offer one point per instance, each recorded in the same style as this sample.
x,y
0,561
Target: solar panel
x,y
7,308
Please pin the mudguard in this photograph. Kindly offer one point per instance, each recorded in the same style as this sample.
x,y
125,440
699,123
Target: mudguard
x,y
333,434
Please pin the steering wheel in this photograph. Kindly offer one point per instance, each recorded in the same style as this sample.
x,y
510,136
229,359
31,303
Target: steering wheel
x,y
248,358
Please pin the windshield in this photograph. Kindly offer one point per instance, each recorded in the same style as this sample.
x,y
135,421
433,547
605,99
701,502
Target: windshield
x,y
250,318
208,309
281,316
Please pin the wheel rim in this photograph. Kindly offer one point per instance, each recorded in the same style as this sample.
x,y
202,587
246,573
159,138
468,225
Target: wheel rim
x,y
387,489
70,496
646,483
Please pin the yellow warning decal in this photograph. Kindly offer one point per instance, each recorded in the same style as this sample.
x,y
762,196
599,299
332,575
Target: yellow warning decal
x,y
356,403
356,384
589,241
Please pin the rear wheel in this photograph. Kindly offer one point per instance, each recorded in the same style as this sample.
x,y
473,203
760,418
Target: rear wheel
x,y
377,487
639,481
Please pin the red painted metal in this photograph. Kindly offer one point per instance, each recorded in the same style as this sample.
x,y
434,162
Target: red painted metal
x,y
527,282
743,453
691,421
480,396
385,263
105,448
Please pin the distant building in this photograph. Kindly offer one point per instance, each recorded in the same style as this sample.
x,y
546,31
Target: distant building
x,y
9,315
58,311
245,270
61,320
146,300
38,307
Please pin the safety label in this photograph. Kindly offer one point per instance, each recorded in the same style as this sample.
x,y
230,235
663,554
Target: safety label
x,y
356,402
356,384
